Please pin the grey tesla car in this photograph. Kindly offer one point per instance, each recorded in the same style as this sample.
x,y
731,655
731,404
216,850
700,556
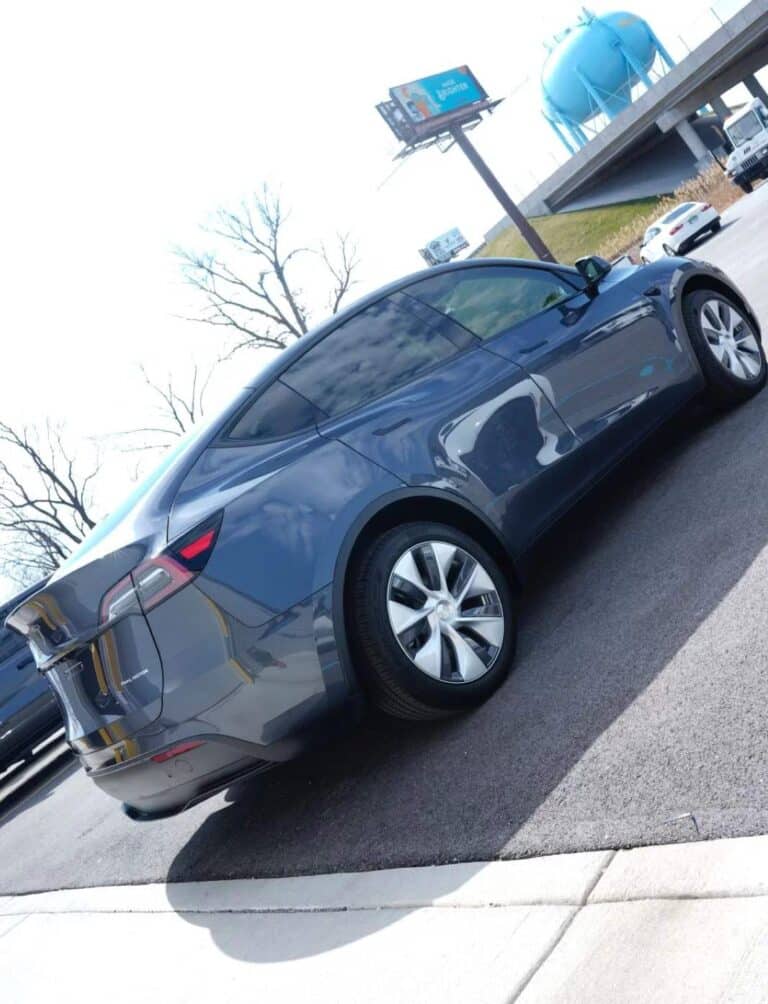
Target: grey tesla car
x,y
353,527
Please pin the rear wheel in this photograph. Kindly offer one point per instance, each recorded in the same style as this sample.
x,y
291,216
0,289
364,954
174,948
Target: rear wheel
x,y
433,621
669,251
746,186
727,346
716,226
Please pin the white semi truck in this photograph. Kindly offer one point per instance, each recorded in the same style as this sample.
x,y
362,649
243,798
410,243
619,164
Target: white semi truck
x,y
748,132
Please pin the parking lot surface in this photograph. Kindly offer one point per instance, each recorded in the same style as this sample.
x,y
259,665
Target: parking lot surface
x,y
637,713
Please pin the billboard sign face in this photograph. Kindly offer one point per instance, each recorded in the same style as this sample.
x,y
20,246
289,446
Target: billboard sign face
x,y
445,247
438,95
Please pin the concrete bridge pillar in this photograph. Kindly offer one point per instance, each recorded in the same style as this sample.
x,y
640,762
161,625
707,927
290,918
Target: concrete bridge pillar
x,y
755,88
694,142
720,108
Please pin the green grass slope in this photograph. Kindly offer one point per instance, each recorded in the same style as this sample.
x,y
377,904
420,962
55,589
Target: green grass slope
x,y
572,235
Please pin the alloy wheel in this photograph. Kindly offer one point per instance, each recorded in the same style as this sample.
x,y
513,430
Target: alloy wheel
x,y
730,339
445,612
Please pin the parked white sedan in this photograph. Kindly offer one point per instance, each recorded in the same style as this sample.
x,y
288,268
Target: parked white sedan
x,y
678,231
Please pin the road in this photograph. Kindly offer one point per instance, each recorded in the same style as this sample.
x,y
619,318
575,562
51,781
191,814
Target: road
x,y
638,711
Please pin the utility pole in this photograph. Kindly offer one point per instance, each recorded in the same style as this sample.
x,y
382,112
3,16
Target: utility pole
x,y
529,235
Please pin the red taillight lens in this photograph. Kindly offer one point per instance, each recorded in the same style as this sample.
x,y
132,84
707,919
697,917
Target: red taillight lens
x,y
674,230
156,579
176,751
198,546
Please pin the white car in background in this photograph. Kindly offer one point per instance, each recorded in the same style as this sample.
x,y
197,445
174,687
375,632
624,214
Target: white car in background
x,y
678,231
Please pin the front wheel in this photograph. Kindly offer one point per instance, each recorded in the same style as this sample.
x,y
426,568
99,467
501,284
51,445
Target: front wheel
x,y
433,621
746,186
716,226
727,346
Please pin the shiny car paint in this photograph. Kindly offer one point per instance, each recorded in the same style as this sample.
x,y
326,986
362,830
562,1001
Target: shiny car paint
x,y
249,663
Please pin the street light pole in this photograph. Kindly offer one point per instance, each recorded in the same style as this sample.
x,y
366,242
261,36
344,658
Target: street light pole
x,y
529,235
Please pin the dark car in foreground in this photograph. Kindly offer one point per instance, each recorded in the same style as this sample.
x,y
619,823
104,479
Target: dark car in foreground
x,y
354,526
29,711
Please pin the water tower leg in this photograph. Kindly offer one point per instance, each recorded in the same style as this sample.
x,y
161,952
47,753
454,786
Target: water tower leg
x,y
694,142
595,94
561,136
755,88
665,56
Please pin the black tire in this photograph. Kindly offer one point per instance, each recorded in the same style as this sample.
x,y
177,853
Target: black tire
x,y
746,186
395,685
716,226
669,251
724,390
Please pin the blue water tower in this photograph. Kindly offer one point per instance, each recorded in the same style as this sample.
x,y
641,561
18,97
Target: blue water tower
x,y
591,68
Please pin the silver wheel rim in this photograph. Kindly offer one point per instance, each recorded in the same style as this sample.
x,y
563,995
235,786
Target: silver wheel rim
x,y
730,339
444,609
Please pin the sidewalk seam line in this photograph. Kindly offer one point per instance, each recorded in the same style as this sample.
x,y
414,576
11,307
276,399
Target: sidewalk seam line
x,y
565,928
22,917
601,873
546,956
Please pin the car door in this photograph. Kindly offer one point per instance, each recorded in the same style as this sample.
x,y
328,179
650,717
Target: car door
x,y
607,361
409,389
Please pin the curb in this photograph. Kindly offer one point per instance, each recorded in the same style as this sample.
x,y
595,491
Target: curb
x,y
716,869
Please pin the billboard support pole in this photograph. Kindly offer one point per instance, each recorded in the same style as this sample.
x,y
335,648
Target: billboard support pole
x,y
527,232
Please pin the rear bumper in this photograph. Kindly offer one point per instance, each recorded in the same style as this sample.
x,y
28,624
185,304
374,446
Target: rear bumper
x,y
699,232
151,790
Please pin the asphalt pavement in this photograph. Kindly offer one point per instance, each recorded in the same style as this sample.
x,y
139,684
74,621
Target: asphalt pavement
x,y
637,712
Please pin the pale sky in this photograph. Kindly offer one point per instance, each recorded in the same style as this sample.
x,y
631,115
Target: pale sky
x,y
126,125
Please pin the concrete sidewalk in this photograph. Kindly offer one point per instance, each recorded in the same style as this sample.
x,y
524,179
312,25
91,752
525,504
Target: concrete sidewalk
x,y
684,922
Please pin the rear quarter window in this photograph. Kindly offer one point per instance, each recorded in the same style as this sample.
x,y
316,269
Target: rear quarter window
x,y
378,350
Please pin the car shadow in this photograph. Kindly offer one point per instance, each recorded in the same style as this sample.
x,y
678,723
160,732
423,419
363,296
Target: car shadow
x,y
706,238
623,586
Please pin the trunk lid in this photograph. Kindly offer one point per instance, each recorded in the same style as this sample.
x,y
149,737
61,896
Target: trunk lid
x,y
108,673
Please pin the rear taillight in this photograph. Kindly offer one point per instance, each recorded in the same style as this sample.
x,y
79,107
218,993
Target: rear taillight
x,y
155,579
675,229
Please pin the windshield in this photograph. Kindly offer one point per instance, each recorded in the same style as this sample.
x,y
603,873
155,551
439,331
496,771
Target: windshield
x,y
744,129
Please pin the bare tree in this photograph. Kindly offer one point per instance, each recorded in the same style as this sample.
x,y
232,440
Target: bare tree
x,y
46,506
177,408
255,290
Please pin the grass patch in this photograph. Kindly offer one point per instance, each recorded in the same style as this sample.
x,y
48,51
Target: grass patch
x,y
573,235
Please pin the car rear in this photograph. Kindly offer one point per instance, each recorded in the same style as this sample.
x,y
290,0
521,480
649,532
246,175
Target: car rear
x,y
89,632
685,224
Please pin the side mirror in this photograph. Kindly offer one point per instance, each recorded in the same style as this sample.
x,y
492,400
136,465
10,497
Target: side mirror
x,y
592,270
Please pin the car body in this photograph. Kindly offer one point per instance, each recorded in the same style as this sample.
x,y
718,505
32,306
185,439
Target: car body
x,y
226,617
29,711
677,231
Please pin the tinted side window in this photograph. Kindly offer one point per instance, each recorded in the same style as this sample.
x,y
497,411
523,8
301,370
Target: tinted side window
x,y
374,352
277,412
490,300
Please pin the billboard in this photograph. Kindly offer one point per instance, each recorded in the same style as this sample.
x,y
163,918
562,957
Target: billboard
x,y
440,94
445,247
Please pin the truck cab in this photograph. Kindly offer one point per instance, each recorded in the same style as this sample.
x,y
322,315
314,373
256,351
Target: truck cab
x,y
747,131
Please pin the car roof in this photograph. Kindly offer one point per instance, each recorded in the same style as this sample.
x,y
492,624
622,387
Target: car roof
x,y
283,359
